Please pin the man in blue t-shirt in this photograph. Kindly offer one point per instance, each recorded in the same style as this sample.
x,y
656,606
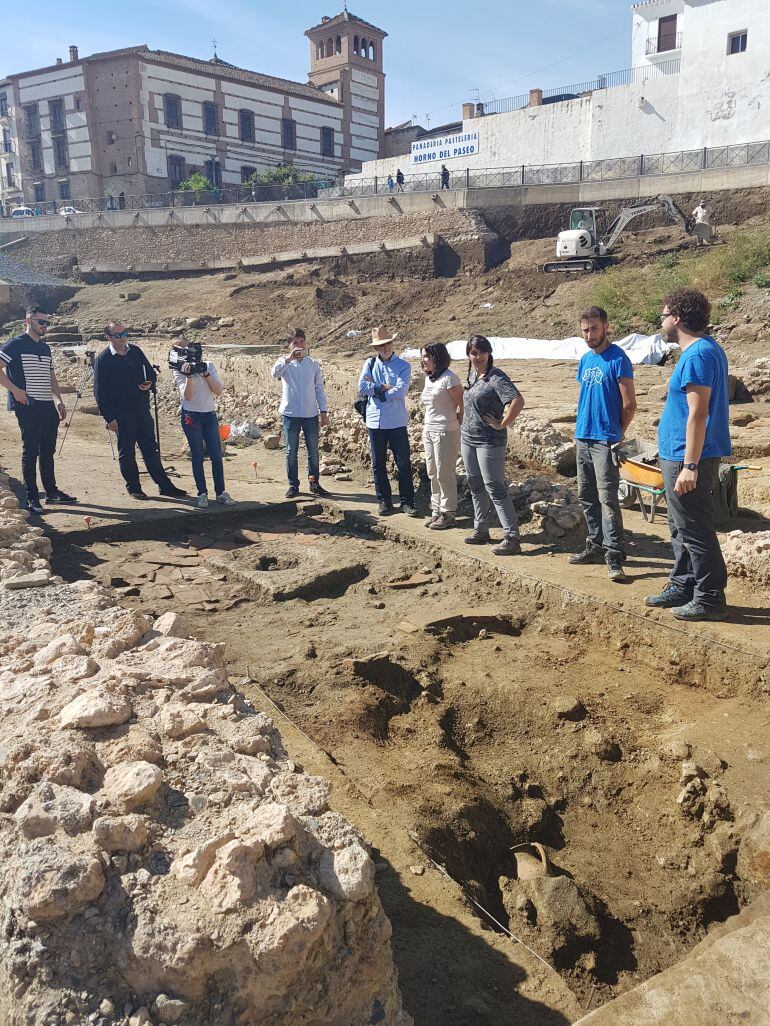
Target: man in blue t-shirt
x,y
693,435
606,406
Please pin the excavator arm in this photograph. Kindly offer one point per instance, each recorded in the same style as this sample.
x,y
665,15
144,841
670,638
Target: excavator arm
x,y
628,214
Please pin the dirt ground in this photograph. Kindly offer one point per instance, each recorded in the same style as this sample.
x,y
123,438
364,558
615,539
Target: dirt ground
x,y
487,704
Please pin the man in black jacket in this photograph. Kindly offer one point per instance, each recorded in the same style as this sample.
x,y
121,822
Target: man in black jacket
x,y
123,380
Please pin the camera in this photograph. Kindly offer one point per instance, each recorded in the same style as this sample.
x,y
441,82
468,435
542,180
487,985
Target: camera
x,y
190,354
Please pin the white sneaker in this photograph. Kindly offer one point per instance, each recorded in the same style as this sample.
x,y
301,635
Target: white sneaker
x,y
225,499
202,502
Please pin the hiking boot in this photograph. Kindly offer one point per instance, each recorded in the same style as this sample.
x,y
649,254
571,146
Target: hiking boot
x,y
478,538
508,547
58,496
409,510
33,506
318,489
696,611
429,521
672,596
443,522
590,554
292,491
385,509
615,569
202,501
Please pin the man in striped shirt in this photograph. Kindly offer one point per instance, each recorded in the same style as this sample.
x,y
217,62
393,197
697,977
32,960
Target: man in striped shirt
x,y
26,370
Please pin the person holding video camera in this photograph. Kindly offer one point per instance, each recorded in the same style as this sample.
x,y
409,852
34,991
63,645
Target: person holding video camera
x,y
199,384
123,380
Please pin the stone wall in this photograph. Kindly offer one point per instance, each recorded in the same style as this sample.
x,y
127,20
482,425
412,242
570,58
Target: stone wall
x,y
161,859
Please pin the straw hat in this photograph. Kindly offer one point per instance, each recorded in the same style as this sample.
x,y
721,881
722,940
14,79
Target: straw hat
x,y
380,337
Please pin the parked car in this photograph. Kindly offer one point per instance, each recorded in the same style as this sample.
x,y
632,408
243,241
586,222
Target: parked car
x,y
22,212
66,211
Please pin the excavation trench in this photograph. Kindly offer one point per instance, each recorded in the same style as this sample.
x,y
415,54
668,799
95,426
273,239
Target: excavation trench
x,y
475,713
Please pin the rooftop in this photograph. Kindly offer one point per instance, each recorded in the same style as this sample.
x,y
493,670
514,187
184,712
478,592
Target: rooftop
x,y
340,19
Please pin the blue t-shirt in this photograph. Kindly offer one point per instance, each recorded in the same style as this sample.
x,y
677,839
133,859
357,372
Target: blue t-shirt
x,y
702,363
600,403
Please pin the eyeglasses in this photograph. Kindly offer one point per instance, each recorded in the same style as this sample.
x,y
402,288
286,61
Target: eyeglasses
x,y
663,316
41,323
120,334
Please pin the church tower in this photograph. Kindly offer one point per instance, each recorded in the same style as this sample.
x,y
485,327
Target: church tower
x,y
346,62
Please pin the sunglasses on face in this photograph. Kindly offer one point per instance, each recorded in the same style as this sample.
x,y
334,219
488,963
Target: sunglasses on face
x,y
120,334
42,323
663,316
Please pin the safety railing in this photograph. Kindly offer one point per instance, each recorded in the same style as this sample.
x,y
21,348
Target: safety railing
x,y
663,44
354,186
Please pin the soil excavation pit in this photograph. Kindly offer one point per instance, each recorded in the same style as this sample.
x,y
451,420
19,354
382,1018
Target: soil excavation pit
x,y
475,716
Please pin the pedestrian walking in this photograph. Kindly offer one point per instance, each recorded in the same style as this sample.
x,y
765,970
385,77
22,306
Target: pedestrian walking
x,y
384,381
442,397
26,370
391,183
492,404
606,406
304,409
693,436
123,381
444,176
399,180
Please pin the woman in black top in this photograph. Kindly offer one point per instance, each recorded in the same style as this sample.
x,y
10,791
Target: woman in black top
x,y
492,404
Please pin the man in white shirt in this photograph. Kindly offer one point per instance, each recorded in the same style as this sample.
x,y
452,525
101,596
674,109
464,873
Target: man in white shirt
x,y
201,426
704,223
303,407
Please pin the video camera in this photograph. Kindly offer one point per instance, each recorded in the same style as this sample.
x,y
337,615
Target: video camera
x,y
191,354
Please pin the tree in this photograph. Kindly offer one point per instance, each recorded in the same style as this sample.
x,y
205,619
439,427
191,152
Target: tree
x,y
285,174
197,183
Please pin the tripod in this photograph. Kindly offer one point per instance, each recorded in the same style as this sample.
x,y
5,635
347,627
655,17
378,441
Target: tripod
x,y
87,376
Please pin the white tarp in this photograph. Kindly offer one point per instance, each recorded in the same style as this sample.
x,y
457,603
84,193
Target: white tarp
x,y
640,348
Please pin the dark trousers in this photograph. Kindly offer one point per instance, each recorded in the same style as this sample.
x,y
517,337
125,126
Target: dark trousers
x,y
398,440
598,482
309,426
136,427
39,423
202,430
699,566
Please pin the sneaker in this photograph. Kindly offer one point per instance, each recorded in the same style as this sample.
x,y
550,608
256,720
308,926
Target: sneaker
x,y
137,493
33,506
225,500
58,496
508,547
443,522
410,511
173,492
590,554
478,538
385,509
318,489
615,569
292,491
671,597
202,502
429,521
696,611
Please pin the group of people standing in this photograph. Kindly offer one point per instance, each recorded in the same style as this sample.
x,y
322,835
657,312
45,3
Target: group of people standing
x,y
470,419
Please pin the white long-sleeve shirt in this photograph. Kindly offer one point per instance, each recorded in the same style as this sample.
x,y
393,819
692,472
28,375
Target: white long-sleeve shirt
x,y
303,387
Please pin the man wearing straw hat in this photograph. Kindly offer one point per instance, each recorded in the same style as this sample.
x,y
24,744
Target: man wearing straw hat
x,y
385,381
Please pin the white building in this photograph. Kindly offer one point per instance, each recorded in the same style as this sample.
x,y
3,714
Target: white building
x,y
700,77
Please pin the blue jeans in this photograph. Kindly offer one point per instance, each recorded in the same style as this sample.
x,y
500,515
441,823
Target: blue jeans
x,y
398,440
200,429
291,430
485,471
598,483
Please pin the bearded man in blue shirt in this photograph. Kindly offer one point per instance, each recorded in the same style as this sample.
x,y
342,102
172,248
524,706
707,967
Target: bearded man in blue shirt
x,y
693,436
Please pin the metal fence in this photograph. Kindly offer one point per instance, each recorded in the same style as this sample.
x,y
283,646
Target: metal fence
x,y
353,187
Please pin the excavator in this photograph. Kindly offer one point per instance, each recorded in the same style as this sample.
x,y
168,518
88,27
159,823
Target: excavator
x,y
588,243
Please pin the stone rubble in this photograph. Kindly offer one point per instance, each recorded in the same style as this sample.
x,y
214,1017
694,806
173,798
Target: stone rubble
x,y
161,859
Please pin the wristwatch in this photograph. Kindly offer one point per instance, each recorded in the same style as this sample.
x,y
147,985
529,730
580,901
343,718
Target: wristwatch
x,y
689,466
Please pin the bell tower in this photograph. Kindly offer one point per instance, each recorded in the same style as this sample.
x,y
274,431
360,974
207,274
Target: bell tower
x,y
346,62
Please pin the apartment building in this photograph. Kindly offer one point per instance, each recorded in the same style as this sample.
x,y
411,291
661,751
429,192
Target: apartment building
x,y
137,121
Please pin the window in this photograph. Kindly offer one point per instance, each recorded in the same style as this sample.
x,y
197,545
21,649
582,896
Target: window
x,y
288,133
35,155
64,189
246,125
113,167
327,142
39,190
213,172
210,119
3,105
175,171
56,113
247,172
172,106
31,119
7,146
60,158
737,42
9,173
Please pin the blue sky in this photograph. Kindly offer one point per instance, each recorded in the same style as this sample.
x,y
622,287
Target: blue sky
x,y
436,55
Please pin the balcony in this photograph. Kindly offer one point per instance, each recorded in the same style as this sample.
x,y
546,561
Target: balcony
x,y
658,45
